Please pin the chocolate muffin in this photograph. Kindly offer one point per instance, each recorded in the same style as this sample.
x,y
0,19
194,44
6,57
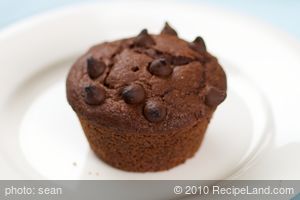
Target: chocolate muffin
x,y
145,102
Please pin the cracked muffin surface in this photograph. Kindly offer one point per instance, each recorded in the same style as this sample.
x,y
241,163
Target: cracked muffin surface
x,y
148,83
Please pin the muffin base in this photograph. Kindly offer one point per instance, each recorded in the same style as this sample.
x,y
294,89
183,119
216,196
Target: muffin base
x,y
141,152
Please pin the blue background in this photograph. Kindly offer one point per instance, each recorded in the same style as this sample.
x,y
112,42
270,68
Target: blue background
x,y
283,14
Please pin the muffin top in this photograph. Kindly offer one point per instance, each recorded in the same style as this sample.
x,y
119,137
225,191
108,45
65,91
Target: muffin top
x,y
148,83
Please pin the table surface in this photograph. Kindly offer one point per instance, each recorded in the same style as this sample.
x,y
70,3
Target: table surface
x,y
284,15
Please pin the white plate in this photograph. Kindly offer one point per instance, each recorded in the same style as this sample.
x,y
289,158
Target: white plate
x,y
40,137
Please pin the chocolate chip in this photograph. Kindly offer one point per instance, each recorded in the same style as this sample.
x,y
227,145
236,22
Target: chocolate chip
x,y
133,94
95,67
155,111
214,97
94,95
160,67
168,30
198,44
143,39
180,60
